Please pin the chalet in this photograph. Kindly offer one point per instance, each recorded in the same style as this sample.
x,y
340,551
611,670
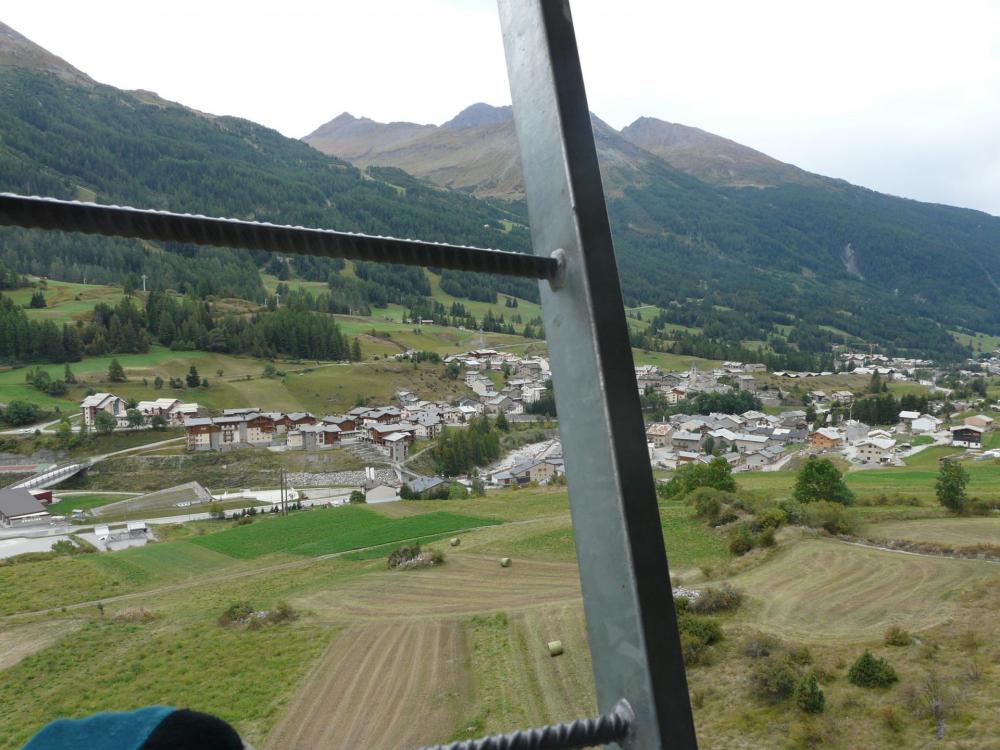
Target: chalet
x,y
420,485
19,507
172,410
906,418
313,436
428,427
346,424
826,438
795,420
980,420
388,415
747,443
529,471
398,445
746,383
855,430
378,433
106,402
876,450
258,429
659,434
967,436
682,440
925,423
201,434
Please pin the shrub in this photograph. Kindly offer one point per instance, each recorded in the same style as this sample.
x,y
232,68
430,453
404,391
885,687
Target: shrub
x,y
891,719
871,672
770,519
896,636
357,496
773,679
283,612
720,599
740,540
681,604
240,612
800,655
766,538
707,503
403,555
758,646
697,634
808,695
832,517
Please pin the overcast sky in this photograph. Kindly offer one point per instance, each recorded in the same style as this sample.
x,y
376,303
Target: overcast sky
x,y
902,96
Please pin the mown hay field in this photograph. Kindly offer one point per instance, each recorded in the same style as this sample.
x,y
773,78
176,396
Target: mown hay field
x,y
328,530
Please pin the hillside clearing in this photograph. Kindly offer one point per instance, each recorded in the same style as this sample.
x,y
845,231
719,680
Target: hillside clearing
x,y
823,590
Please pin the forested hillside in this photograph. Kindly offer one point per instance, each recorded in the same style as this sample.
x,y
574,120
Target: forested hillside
x,y
794,267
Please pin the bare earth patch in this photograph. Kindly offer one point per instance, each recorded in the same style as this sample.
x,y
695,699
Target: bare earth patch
x,y
380,687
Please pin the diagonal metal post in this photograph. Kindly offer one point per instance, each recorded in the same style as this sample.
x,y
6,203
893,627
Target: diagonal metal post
x,y
631,623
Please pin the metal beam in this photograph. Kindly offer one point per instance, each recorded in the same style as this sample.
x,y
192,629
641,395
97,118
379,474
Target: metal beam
x,y
631,623
135,223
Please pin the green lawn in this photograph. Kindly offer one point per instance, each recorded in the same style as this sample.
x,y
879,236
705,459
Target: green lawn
x,y
321,532
65,301
83,502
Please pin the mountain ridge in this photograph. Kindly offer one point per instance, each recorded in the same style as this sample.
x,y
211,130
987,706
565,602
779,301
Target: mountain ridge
x,y
730,264
486,137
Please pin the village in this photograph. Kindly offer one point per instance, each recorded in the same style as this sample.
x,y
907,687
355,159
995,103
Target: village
x,y
502,383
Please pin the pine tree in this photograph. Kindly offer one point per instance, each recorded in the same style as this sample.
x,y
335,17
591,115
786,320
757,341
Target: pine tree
x,y
116,373
193,378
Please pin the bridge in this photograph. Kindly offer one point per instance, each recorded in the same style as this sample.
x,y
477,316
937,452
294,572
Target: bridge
x,y
51,477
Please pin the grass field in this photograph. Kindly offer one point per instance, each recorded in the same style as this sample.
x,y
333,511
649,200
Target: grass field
x,y
384,659
66,302
82,501
324,531
821,590
954,532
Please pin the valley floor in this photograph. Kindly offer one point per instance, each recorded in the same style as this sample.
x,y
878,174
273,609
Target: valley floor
x,y
383,658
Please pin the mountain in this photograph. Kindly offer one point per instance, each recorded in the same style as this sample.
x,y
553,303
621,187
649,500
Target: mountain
x,y
800,265
712,158
17,51
476,151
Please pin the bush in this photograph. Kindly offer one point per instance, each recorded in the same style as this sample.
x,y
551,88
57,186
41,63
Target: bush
x,y
357,496
697,634
708,502
809,697
832,517
773,679
721,599
871,672
283,612
896,636
237,613
740,540
760,645
770,519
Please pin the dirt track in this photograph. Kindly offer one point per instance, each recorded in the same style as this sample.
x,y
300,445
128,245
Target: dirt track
x,y
396,677
380,687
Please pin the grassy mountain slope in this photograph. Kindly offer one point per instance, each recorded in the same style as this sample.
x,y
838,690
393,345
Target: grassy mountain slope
x,y
703,223
740,264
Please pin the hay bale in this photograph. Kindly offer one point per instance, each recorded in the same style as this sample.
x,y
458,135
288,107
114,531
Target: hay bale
x,y
455,541
505,562
555,648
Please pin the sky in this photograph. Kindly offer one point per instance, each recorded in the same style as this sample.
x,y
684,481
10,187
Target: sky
x,y
901,96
